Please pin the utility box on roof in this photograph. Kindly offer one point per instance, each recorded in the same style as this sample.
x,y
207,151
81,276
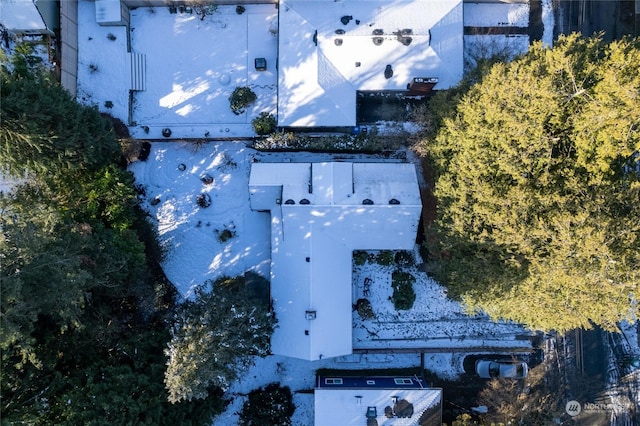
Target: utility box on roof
x,y
260,64
111,12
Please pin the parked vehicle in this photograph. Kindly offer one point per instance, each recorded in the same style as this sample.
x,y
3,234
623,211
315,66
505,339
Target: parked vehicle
x,y
489,369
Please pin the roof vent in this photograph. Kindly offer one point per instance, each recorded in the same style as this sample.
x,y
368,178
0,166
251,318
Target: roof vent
x,y
393,201
388,72
378,41
338,42
346,19
305,201
372,412
378,32
367,202
290,201
310,315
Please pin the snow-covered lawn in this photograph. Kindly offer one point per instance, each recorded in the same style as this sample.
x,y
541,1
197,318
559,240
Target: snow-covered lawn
x,y
435,321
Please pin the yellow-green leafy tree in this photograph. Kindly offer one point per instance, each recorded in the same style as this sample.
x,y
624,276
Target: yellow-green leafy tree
x,y
538,187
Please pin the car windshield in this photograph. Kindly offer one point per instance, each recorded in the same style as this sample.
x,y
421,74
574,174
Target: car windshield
x,y
494,370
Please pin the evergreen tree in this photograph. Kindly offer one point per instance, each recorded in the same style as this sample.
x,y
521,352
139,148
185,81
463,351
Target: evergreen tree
x,y
213,336
43,129
271,405
539,187
83,303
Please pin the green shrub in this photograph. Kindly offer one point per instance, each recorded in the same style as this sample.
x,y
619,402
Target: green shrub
x,y
264,124
360,257
225,235
271,405
240,99
364,309
403,293
404,258
371,142
385,258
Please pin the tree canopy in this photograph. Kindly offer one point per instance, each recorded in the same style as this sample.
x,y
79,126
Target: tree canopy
x,y
83,303
213,336
538,187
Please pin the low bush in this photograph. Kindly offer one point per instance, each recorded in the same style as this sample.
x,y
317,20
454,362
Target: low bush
x,y
360,257
404,258
241,98
364,309
271,405
371,142
403,293
225,235
264,123
385,258
203,200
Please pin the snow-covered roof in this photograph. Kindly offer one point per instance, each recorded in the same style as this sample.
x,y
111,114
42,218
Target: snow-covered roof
x,y
350,406
323,62
317,220
22,16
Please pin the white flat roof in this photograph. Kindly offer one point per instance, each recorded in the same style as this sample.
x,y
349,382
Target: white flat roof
x,y
349,406
317,220
21,15
318,80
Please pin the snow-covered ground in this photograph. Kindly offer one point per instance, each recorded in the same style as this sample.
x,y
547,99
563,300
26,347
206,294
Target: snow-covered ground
x,y
172,180
103,78
435,321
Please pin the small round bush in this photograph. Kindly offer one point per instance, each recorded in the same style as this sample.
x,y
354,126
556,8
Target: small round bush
x,y
404,258
364,309
264,124
225,235
360,257
271,405
403,293
385,258
203,200
240,99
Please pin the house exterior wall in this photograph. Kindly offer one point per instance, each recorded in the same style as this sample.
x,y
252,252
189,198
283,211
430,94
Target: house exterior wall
x,y
69,46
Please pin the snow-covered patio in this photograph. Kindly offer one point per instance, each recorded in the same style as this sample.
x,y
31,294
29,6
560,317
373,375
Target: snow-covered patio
x,y
193,63
201,61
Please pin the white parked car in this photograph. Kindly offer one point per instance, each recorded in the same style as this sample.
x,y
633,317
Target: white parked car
x,y
488,369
